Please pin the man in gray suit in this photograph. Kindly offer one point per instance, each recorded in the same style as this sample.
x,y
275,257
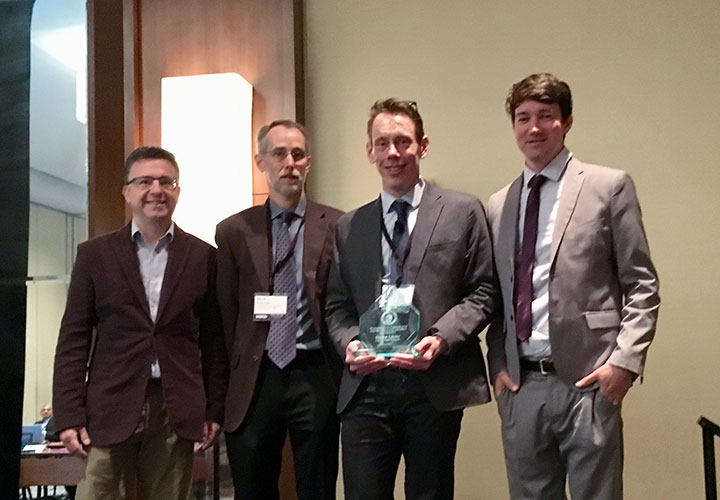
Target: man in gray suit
x,y
411,404
580,306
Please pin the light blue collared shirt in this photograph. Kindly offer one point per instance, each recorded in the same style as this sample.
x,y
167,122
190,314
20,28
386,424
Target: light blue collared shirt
x,y
153,261
307,337
413,198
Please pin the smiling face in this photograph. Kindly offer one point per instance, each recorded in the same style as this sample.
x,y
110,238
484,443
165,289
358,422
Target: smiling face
x,y
540,132
285,163
395,151
153,203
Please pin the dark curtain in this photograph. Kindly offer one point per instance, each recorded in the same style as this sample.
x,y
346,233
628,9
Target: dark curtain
x,y
14,211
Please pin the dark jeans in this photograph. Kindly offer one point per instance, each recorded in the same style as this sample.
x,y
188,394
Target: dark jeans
x,y
299,399
391,416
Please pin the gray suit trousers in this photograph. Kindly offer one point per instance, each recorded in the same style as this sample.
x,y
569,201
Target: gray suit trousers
x,y
551,431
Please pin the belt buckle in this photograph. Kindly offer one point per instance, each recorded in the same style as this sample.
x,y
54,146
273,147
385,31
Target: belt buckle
x,y
542,363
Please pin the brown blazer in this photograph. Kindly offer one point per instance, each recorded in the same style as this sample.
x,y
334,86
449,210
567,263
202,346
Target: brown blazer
x,y
106,295
244,261
450,263
603,286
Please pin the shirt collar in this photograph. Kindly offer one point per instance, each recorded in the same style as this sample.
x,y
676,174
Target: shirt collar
x,y
135,233
553,170
299,209
412,197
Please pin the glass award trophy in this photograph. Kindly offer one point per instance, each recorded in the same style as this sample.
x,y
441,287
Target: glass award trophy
x,y
390,325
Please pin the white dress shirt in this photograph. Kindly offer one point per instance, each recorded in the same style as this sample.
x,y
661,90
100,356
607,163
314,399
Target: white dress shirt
x,y
538,345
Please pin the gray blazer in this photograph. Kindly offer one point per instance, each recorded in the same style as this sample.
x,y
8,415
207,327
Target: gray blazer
x,y
450,263
603,286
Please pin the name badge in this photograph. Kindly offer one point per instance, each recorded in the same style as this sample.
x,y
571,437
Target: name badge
x,y
269,307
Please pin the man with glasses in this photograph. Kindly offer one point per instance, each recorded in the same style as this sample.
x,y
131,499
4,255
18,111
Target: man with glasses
x,y
273,263
439,258
139,361
581,303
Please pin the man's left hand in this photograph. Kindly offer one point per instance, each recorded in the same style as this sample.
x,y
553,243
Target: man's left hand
x,y
429,348
210,434
614,382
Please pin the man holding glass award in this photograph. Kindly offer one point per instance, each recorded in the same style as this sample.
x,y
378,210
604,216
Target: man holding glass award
x,y
412,285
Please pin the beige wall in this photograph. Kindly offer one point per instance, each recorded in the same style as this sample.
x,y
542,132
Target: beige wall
x,y
53,238
645,77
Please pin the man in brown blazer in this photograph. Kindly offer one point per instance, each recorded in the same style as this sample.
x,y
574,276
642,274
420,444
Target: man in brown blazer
x,y
580,306
410,405
283,373
139,357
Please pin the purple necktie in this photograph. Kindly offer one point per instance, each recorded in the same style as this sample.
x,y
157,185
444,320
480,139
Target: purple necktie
x,y
283,332
524,277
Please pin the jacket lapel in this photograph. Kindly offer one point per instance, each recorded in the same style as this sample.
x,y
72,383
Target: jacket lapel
x,y
313,242
508,230
178,254
258,243
127,257
431,207
574,177
363,247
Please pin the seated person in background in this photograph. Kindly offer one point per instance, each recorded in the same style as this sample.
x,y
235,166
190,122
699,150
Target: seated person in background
x,y
46,421
45,414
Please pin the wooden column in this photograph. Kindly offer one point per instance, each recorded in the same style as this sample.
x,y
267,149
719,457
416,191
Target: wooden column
x,y
107,146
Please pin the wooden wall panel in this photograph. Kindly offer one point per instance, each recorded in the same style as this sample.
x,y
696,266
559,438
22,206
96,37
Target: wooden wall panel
x,y
107,144
255,38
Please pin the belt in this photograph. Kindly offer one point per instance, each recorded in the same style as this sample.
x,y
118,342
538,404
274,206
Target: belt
x,y
544,366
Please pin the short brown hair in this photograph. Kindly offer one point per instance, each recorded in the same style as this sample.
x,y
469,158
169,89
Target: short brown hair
x,y
395,106
149,153
265,130
541,87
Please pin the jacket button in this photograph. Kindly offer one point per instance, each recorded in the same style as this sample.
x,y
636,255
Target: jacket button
x,y
256,358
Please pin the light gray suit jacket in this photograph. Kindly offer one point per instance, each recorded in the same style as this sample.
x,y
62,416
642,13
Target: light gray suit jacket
x,y
450,263
603,286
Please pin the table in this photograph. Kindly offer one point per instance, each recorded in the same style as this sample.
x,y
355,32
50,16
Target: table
x,y
55,466
52,466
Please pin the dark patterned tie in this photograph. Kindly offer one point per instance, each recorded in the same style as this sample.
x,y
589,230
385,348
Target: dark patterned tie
x,y
282,336
399,241
524,296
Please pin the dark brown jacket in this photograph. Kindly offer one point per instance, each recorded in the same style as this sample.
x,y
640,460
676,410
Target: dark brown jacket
x,y
244,260
105,390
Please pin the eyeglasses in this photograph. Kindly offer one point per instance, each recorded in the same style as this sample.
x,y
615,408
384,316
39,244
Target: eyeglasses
x,y
146,182
279,154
